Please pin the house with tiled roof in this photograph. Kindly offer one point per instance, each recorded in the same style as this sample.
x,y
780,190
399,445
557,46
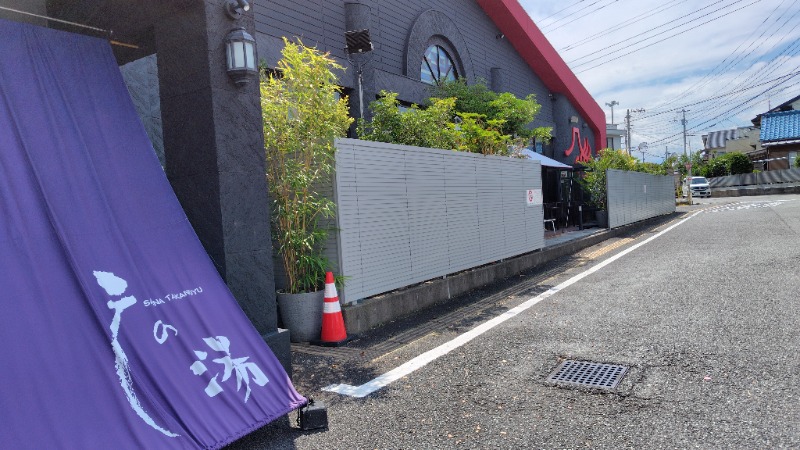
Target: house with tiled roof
x,y
780,138
742,139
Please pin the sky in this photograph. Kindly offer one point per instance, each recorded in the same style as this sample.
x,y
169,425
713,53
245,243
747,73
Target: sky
x,y
723,61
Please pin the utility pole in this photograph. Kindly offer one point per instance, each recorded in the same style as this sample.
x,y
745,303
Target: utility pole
x,y
689,165
683,122
628,128
613,102
628,132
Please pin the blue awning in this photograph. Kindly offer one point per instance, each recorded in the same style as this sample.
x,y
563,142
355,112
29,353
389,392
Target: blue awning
x,y
549,162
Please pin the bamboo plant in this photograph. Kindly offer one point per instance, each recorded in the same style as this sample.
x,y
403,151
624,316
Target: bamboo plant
x,y
303,112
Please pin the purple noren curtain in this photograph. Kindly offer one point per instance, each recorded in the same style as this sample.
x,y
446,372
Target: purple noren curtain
x,y
116,329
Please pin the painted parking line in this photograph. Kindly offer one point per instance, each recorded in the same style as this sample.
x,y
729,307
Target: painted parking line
x,y
431,355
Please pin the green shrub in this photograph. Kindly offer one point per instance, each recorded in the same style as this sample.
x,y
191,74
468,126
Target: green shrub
x,y
429,127
652,168
516,114
739,163
727,164
461,117
669,165
475,98
479,135
433,126
717,167
594,179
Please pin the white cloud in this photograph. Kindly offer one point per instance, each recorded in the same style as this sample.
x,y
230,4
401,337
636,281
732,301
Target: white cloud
x,y
657,77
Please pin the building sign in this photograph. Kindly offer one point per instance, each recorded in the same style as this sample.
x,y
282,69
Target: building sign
x,y
585,151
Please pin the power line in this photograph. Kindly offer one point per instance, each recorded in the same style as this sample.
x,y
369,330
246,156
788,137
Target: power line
x,y
752,78
725,116
657,42
569,15
777,88
581,17
563,9
770,67
627,41
620,25
743,91
696,127
722,66
773,65
729,93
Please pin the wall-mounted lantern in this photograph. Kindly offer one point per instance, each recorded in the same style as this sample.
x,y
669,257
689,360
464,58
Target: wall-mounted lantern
x,y
241,56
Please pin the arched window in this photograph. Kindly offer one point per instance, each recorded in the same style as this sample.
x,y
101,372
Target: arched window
x,y
437,66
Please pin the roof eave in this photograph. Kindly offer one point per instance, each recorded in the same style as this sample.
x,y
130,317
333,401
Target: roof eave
x,y
787,141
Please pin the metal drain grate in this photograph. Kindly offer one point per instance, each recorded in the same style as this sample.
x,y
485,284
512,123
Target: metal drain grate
x,y
588,374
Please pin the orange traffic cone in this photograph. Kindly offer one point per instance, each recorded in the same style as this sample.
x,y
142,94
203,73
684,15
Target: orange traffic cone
x,y
333,331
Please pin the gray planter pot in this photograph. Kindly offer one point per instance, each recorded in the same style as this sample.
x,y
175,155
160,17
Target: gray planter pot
x,y
302,314
602,218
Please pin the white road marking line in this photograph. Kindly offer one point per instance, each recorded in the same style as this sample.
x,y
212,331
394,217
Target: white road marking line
x,y
431,355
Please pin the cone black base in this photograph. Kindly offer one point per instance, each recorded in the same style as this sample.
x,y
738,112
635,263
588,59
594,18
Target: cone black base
x,y
332,344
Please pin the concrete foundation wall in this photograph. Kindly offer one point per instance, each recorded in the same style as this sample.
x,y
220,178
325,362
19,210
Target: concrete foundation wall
x,y
754,179
746,191
382,309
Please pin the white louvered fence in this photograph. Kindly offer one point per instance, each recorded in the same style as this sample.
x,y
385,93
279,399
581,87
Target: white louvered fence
x,y
635,196
409,214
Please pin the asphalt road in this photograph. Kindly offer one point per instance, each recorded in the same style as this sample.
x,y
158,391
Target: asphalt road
x,y
705,315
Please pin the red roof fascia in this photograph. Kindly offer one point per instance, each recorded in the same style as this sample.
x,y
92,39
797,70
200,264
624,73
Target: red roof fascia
x,y
544,60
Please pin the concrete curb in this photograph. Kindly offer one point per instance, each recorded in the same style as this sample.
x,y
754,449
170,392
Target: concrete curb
x,y
381,309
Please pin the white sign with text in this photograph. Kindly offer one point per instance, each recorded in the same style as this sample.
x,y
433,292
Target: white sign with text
x,y
534,197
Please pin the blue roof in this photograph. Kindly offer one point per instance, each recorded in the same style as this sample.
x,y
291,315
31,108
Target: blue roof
x,y
780,126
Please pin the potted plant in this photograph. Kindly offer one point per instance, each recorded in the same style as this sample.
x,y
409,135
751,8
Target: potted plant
x,y
303,111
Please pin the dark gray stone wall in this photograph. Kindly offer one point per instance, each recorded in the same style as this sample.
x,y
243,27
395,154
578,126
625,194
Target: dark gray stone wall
x,y
462,25
498,82
33,6
141,78
215,157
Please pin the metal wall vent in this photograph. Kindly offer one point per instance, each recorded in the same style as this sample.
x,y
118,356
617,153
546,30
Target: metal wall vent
x,y
588,374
